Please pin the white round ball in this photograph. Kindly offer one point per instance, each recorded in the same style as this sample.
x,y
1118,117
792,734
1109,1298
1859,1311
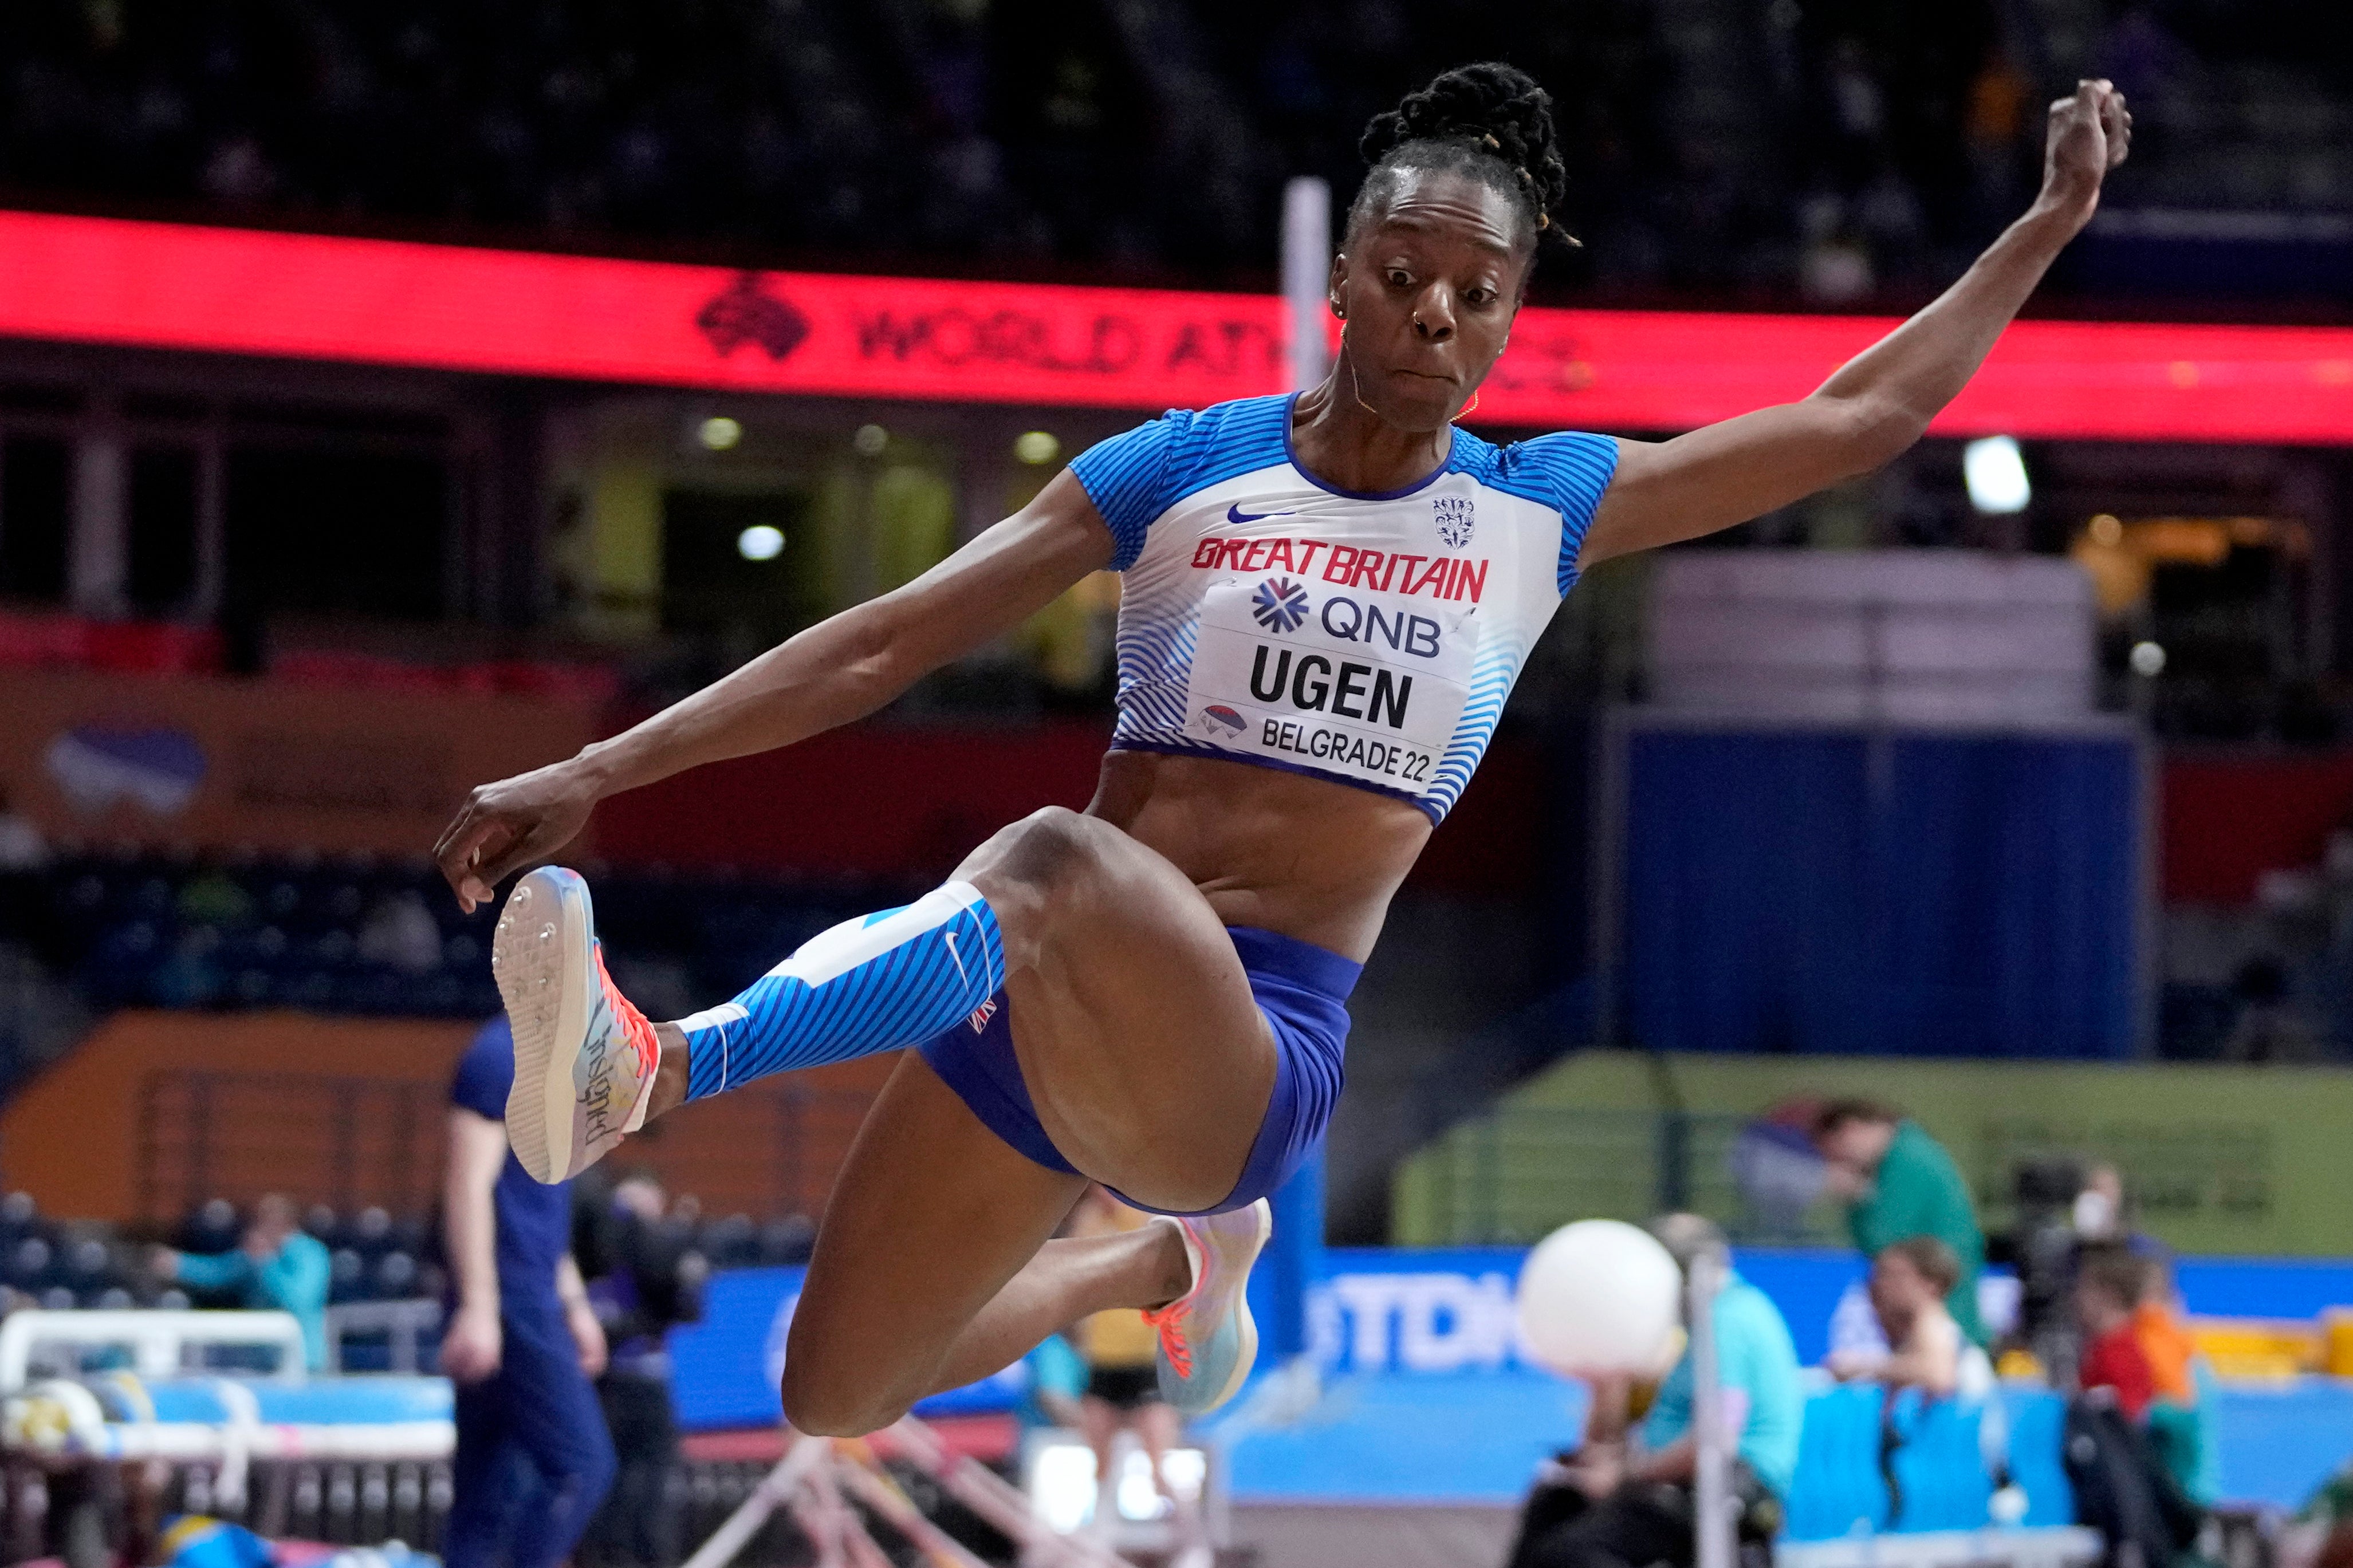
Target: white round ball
x,y
1600,1296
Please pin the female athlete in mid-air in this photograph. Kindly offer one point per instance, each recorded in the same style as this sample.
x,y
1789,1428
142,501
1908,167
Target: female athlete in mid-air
x,y
1326,599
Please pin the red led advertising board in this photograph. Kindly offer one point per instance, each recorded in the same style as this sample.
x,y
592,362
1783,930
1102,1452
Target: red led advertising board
x,y
525,313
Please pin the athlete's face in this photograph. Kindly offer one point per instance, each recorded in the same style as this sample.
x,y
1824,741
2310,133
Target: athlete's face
x,y
1426,293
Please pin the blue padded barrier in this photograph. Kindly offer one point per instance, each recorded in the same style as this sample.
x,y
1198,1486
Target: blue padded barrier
x,y
1939,1463
371,1401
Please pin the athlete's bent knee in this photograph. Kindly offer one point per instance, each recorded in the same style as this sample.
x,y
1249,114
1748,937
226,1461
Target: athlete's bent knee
x,y
828,1407
1047,851
1053,844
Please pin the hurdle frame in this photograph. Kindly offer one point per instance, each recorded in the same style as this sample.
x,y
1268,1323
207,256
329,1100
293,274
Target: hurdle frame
x,y
817,1477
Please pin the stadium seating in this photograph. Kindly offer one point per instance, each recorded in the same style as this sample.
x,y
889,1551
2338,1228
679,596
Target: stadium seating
x,y
902,128
354,936
376,1256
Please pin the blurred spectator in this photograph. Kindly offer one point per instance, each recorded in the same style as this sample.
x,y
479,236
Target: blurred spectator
x,y
401,934
2048,1211
23,854
22,847
1909,1282
2103,1211
2321,1533
643,1278
2099,1212
1605,1505
2110,1282
2127,1485
276,1265
1058,1378
2166,1342
2270,1028
1836,267
2063,1207
2180,1433
533,1459
1899,1183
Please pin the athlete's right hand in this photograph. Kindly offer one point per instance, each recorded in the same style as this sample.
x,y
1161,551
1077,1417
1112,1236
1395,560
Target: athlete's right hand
x,y
506,825
471,1347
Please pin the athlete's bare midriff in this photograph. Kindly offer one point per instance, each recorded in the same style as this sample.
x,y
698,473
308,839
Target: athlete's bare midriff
x,y
1282,851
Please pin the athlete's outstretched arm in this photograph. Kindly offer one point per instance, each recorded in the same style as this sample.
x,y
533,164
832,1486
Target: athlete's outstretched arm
x,y
1881,401
839,669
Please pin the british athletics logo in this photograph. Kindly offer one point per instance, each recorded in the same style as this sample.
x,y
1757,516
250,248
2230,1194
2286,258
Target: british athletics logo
x,y
1454,519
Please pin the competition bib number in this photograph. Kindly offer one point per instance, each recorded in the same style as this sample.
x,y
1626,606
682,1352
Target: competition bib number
x,y
1344,683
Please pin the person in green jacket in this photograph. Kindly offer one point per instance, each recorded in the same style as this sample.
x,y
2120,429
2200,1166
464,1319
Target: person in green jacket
x,y
1899,1183
277,1266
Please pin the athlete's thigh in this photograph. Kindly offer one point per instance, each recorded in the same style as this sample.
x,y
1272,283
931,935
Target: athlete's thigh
x,y
932,1215
1144,1051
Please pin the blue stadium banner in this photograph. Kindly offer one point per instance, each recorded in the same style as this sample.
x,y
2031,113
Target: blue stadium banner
x,y
1430,1312
726,1371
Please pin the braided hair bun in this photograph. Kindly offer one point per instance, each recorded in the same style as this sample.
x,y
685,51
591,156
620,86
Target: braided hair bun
x,y
1490,122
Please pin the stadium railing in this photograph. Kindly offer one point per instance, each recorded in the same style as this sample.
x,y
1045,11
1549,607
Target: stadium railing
x,y
1510,1176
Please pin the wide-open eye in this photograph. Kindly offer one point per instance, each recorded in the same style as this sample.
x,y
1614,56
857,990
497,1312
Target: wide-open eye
x,y
1399,278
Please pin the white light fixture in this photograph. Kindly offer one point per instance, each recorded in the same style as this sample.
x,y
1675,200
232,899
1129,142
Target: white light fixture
x,y
2148,659
718,433
1037,447
869,440
760,543
1996,472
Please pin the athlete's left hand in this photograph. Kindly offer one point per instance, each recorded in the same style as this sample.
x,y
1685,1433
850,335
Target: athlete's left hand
x,y
2091,133
506,825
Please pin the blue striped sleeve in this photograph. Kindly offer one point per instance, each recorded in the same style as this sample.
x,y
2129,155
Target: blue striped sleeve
x,y
1577,469
1130,479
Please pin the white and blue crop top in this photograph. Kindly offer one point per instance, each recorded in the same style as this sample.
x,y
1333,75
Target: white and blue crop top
x,y
1267,618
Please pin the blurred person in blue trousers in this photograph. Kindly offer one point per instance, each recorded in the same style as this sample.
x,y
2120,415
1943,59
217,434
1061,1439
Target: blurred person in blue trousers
x,y
534,1457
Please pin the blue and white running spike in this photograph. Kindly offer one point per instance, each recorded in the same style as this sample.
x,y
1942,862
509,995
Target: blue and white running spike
x,y
1208,1339
585,1057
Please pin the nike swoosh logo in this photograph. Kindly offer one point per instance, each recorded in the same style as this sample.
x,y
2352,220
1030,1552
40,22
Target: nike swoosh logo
x,y
1236,515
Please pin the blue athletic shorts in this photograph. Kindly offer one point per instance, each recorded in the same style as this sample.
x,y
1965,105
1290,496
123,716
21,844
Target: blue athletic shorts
x,y
1300,988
